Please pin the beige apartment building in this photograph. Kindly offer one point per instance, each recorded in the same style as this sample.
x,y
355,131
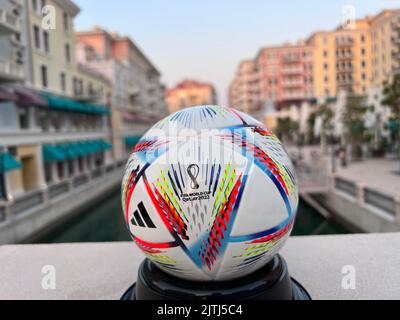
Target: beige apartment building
x,y
342,60
190,93
385,38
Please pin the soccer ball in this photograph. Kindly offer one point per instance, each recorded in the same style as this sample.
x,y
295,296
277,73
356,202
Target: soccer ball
x,y
209,194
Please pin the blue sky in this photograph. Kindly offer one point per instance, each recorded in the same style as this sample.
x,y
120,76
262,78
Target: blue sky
x,y
207,39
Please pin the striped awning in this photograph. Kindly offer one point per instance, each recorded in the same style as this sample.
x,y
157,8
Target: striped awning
x,y
8,163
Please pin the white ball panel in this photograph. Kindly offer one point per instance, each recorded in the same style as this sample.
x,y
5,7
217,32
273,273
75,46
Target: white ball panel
x,y
262,206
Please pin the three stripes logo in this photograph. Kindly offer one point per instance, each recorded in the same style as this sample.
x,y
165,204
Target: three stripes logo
x,y
141,218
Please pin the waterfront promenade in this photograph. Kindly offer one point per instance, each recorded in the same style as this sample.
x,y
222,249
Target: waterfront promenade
x,y
365,194
380,174
105,270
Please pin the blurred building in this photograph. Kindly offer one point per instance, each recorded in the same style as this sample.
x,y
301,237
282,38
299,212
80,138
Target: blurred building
x,y
139,97
352,59
286,73
39,108
190,93
385,38
245,88
58,149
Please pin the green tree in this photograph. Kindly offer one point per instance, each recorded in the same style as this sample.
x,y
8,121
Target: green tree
x,y
391,99
287,129
353,120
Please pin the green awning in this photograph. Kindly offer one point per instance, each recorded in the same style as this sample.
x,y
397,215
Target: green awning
x,y
8,163
331,100
95,147
105,146
69,151
53,154
65,104
394,125
132,141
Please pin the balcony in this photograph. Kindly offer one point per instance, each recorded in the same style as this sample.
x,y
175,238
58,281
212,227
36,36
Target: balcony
x,y
11,71
9,23
294,71
345,56
293,84
395,25
344,42
395,40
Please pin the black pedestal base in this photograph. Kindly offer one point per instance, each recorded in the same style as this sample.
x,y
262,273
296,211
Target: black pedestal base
x,y
270,283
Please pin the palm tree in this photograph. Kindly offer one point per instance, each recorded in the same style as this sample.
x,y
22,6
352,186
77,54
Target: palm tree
x,y
353,120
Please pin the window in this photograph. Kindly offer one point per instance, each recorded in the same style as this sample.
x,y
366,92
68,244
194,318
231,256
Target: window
x,y
363,51
35,5
60,170
71,168
63,82
325,54
68,53
43,70
44,2
75,86
46,41
48,172
81,89
23,115
2,187
36,36
363,64
362,38
43,120
65,22
91,90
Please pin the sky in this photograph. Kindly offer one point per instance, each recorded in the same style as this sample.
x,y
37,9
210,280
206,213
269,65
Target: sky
x,y
207,39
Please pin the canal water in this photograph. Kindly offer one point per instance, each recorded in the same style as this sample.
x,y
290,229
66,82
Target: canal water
x,y
105,223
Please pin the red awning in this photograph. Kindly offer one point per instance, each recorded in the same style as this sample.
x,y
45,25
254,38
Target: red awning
x,y
6,95
30,98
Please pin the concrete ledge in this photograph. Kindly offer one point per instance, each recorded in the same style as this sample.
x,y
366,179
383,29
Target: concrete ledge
x,y
105,270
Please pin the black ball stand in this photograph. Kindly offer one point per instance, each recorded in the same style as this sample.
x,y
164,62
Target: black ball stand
x,y
270,283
